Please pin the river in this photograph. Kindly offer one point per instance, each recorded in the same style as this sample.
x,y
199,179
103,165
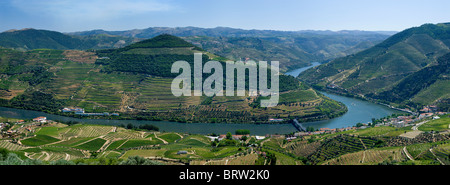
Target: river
x,y
358,111
296,72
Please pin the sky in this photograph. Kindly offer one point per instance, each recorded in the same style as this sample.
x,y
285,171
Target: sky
x,y
289,15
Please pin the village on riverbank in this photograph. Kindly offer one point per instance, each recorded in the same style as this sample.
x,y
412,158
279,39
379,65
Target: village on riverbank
x,y
395,120
52,140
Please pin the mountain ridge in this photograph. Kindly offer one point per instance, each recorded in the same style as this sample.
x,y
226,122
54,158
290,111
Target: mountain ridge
x,y
30,38
218,31
292,49
383,66
136,82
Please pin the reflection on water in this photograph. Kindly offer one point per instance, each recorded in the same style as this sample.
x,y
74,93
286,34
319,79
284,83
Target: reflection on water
x,y
296,72
195,128
358,112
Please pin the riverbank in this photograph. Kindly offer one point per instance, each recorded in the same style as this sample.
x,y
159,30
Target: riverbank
x,y
144,117
194,128
358,112
346,94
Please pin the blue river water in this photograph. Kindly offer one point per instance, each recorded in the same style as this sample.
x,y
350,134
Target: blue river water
x,y
358,112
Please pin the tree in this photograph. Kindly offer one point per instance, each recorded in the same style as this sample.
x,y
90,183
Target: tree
x,y
272,158
312,139
62,162
229,136
137,160
227,142
214,143
252,141
242,132
149,127
13,159
3,153
130,126
244,138
310,129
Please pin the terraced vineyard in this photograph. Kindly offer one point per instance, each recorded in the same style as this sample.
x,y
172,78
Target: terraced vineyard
x,y
367,157
87,131
443,153
124,134
135,81
418,150
235,160
11,146
382,131
78,142
302,148
342,144
54,153
39,140
94,144
441,124
170,137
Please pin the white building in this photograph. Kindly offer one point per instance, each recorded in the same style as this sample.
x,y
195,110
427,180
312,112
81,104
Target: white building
x,y
213,138
260,137
40,119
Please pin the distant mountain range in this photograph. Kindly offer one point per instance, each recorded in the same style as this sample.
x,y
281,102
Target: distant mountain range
x,y
223,32
409,68
136,80
368,64
28,39
293,49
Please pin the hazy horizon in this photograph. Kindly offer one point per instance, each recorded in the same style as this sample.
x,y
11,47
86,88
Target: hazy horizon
x,y
306,30
290,15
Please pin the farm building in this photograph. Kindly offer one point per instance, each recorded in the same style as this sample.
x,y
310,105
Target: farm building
x,y
260,137
40,119
76,110
182,152
213,138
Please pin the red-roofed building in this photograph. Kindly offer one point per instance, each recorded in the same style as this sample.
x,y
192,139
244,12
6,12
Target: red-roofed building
x,y
40,119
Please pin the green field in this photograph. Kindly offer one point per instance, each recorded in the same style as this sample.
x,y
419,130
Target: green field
x,y
133,143
93,144
440,124
170,137
382,131
39,140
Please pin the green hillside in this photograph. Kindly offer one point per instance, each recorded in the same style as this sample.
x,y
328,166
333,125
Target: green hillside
x,y
258,49
136,82
152,56
394,71
294,49
58,143
424,86
28,39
